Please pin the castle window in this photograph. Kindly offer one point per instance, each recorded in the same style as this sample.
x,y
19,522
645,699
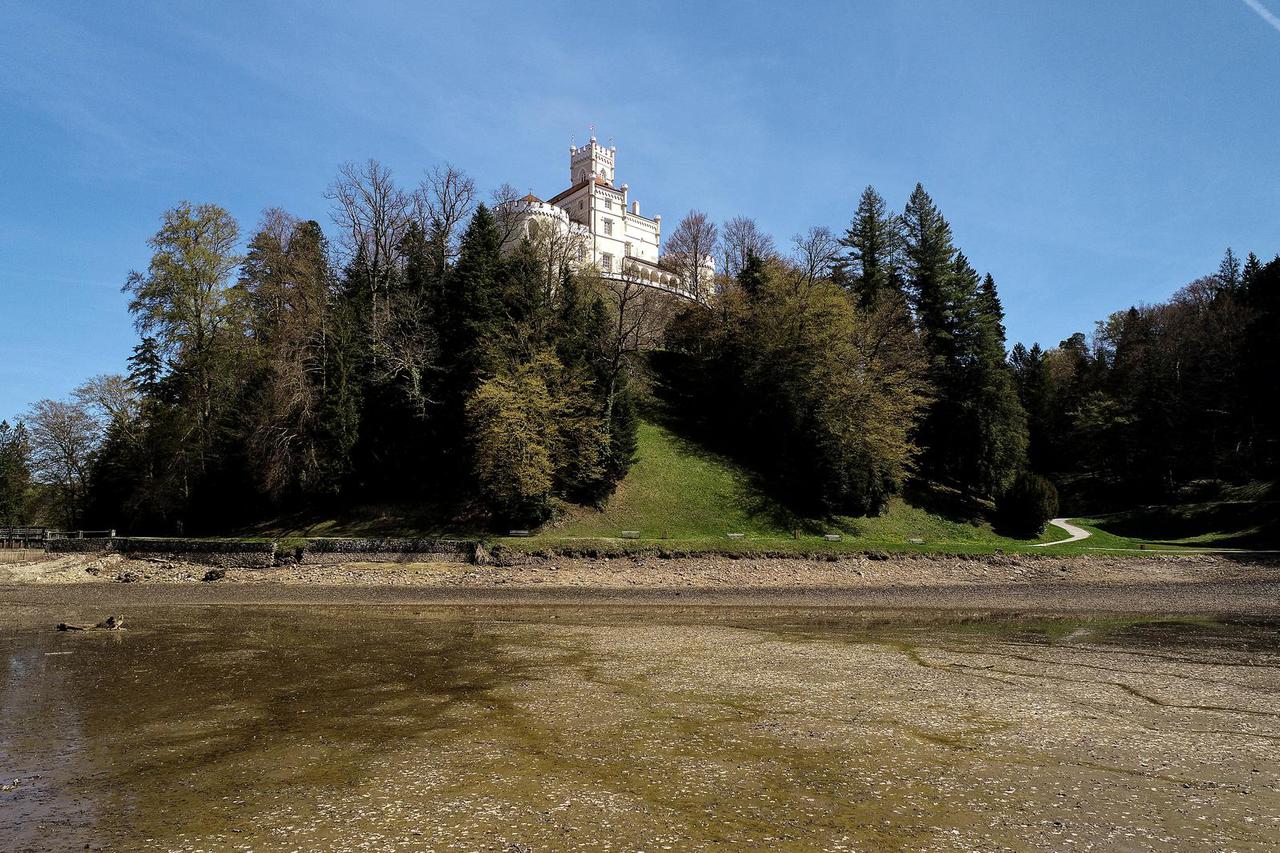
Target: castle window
x,y
608,228
628,250
606,262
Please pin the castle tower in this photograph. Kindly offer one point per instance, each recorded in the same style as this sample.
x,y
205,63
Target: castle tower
x,y
591,160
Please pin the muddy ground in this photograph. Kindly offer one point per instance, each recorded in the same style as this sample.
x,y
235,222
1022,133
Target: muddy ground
x,y
1177,585
634,728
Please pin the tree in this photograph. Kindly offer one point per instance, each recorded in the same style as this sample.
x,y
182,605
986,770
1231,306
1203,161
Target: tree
x,y
874,242
1252,267
1262,358
443,201
974,434
15,475
929,261
287,284
373,215
817,394
64,438
184,304
1027,505
531,432
639,314
471,302
689,253
816,253
1229,274
113,399
511,417
740,239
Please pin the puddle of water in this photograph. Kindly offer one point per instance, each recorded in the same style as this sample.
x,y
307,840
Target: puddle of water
x,y
626,728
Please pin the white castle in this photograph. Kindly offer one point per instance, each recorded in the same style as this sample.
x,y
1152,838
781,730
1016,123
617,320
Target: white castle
x,y
598,224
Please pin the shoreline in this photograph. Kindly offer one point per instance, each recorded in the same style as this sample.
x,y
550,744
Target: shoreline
x,y
1198,585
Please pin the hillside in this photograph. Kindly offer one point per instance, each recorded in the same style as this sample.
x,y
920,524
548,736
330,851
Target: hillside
x,y
683,495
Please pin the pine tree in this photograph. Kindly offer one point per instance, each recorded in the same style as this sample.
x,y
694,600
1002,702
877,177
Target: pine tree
x,y
752,274
998,418
1228,274
1252,268
875,241
146,367
930,271
1262,358
471,300
974,432
15,475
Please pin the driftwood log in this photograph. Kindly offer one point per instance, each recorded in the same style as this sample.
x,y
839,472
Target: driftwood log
x,y
111,623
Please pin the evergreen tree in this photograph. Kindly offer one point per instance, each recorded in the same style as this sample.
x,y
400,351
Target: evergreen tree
x,y
752,274
974,432
874,241
472,301
1229,274
15,475
1252,268
1262,358
998,420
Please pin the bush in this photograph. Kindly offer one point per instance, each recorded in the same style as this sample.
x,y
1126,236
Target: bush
x,y
1027,505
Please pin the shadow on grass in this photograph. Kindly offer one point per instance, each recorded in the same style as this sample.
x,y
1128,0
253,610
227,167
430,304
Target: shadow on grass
x,y
1220,524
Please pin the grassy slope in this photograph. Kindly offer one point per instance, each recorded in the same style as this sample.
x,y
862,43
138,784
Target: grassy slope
x,y
1246,516
681,496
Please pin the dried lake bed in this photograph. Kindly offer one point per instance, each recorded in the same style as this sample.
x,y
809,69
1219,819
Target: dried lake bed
x,y
555,727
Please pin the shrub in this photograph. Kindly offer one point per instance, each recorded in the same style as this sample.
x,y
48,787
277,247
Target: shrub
x,y
1027,505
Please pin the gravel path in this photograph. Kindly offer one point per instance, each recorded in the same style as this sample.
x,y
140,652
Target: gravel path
x,y
1077,533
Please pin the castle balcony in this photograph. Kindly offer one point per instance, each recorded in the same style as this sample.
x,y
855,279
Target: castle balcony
x,y
649,274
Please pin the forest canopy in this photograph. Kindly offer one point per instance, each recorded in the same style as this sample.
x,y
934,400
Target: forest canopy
x,y
421,352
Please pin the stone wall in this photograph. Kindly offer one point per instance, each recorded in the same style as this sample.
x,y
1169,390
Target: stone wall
x,y
253,554
224,553
332,552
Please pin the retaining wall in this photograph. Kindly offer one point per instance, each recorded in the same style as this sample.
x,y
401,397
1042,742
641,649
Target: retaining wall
x,y
205,552
332,552
234,553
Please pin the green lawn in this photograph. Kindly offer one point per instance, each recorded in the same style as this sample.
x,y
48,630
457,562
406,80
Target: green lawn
x,y
680,496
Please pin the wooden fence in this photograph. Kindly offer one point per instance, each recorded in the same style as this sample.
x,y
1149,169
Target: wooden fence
x,y
30,538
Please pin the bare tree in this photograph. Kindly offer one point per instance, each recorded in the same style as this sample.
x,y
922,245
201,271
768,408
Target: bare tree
x,y
740,238
816,253
556,247
690,253
640,313
442,203
114,401
506,207
374,215
64,437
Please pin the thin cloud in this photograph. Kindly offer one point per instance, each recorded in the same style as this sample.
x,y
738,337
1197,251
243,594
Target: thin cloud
x,y
1264,13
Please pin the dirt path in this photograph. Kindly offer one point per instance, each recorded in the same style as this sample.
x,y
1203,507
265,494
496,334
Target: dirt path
x,y
1077,533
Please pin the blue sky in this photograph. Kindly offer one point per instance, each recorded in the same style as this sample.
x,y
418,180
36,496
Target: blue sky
x,y
1090,155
